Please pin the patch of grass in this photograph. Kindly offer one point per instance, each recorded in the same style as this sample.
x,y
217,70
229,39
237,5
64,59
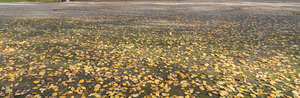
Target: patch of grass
x,y
29,0
95,57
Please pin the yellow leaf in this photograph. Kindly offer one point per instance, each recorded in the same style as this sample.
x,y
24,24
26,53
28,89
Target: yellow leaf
x,y
95,95
202,88
36,81
259,92
9,50
117,96
35,88
68,93
135,95
204,83
253,95
69,81
167,88
62,96
209,87
81,81
274,88
83,87
55,88
54,94
242,61
1,69
187,96
21,79
42,72
194,67
184,83
217,70
124,84
181,75
170,33
37,96
223,93
240,95
156,81
99,79
105,68
97,88
11,78
20,65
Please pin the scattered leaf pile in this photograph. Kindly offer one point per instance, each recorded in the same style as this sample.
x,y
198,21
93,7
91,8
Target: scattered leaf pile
x,y
247,56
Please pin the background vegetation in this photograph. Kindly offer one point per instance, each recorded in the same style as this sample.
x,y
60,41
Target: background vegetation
x,y
29,0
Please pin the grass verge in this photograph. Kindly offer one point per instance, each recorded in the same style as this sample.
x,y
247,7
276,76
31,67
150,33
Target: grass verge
x,y
29,0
